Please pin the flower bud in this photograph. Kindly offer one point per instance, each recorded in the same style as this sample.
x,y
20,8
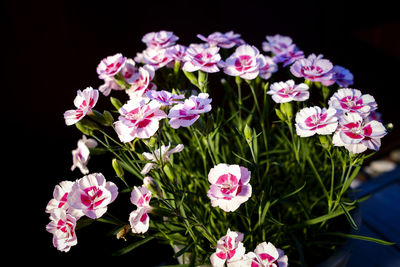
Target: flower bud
x,y
116,103
152,185
287,110
152,141
325,143
247,133
117,168
91,125
108,117
98,117
169,173
83,129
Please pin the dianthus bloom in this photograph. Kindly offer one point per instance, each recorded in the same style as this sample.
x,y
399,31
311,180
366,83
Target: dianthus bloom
x,y
161,39
176,52
229,248
140,81
140,196
314,120
351,100
223,40
342,76
267,67
184,115
244,62
84,102
202,57
266,255
357,134
80,156
110,82
289,56
62,226
91,194
138,119
111,65
156,58
277,44
313,68
229,186
159,155
283,92
139,219
164,97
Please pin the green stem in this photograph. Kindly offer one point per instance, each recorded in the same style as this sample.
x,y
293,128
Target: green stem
x,y
318,177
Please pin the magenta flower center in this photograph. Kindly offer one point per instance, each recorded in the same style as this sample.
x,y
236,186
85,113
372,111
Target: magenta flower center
x,y
92,197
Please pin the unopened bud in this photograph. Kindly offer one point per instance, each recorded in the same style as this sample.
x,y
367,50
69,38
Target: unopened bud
x,y
169,173
324,141
117,168
152,185
152,141
287,110
91,125
116,103
247,133
83,129
108,117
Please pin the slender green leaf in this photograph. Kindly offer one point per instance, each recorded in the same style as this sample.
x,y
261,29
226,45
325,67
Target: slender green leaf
x,y
325,217
183,250
349,218
365,238
132,246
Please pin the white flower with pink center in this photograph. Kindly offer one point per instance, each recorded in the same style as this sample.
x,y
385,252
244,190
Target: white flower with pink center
x,y
283,92
224,40
313,68
165,98
314,120
111,65
155,57
91,194
62,226
342,76
244,62
266,255
229,186
138,119
176,52
140,196
84,102
202,57
160,155
140,81
184,115
229,248
80,156
351,100
161,39
357,134
289,56
267,67
139,220
60,197
277,44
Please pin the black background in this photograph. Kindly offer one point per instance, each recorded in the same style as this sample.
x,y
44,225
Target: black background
x,y
51,49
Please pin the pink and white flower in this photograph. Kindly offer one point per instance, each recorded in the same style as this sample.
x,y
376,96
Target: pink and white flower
x,y
59,200
160,155
277,44
244,62
184,115
62,226
156,58
342,76
289,56
111,65
313,68
110,82
91,194
81,155
161,39
357,134
229,186
283,92
164,97
266,255
140,81
314,120
176,52
201,57
140,196
138,119
267,67
351,100
224,40
140,220
229,249
84,102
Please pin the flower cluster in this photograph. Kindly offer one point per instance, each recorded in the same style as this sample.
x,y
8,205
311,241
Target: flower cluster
x,y
139,219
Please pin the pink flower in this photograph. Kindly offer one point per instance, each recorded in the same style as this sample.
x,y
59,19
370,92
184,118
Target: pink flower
x,y
266,255
224,40
351,100
176,52
62,226
357,134
283,92
245,62
161,39
80,156
84,102
289,56
60,197
164,97
229,186
111,65
267,67
229,248
201,57
313,68
138,119
160,155
277,44
140,220
140,81
314,120
184,115
342,76
156,58
140,196
91,194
